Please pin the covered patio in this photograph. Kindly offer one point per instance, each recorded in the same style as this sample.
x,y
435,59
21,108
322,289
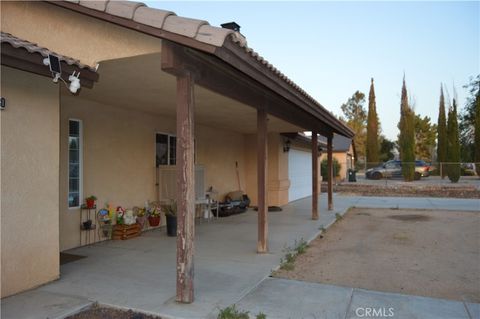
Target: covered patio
x,y
228,87
140,273
201,86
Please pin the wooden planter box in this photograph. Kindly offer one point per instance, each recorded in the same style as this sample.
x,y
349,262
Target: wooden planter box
x,y
126,231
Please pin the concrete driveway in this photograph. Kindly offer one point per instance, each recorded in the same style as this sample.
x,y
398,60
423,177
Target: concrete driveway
x,y
140,273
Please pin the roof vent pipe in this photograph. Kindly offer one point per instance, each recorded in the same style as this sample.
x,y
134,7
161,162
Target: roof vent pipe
x,y
231,25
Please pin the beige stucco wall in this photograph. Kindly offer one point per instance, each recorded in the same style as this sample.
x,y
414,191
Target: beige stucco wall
x,y
29,181
341,157
88,39
119,153
277,174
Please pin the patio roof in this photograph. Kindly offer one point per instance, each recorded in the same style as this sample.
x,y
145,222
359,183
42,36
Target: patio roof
x,y
219,60
227,45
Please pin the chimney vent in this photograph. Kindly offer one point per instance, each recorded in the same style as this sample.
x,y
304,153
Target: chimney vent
x,y
231,25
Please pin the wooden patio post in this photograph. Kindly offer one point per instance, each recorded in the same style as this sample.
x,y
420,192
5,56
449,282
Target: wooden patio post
x,y
262,243
314,175
330,170
185,187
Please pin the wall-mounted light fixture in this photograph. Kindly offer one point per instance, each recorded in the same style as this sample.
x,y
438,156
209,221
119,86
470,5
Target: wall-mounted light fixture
x,y
286,146
320,149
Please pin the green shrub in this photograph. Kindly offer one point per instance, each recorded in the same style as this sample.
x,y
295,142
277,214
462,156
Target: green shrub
x,y
336,168
232,312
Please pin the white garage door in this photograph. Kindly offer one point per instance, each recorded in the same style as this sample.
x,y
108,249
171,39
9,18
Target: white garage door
x,y
300,174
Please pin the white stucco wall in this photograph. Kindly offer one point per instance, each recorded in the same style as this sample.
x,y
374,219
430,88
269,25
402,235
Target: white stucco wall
x,y
29,181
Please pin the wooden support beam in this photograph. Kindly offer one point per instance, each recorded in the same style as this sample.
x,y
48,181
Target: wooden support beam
x,y
185,187
330,170
314,175
262,244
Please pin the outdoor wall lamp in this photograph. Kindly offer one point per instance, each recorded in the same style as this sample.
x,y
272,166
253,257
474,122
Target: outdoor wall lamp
x,y
286,146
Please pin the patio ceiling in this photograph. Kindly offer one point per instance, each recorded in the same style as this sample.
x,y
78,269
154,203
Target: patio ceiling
x,y
139,83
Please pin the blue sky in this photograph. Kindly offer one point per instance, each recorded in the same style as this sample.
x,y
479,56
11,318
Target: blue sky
x,y
332,49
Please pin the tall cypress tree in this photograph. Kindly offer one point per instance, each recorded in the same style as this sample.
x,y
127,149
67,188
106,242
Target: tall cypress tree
x,y
372,129
442,133
477,130
406,138
453,144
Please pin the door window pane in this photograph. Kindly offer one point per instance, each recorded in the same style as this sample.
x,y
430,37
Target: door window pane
x,y
161,149
173,150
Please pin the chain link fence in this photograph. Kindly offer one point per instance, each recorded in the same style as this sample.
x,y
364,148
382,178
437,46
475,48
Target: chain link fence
x,y
391,172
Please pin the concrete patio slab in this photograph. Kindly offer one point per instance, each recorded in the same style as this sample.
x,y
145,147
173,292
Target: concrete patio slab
x,y
404,306
473,310
140,273
283,299
36,304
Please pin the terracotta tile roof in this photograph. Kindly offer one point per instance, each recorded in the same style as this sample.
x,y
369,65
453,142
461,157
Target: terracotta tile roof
x,y
34,48
197,29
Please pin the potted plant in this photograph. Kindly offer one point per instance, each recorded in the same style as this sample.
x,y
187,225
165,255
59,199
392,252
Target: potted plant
x,y
153,216
90,201
141,218
170,211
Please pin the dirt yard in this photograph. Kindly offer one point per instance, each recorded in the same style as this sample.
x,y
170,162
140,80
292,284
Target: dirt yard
x,y
419,252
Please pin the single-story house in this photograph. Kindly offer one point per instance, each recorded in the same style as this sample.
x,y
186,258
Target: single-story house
x,y
343,152
107,98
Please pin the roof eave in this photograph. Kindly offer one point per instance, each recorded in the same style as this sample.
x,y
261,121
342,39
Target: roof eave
x,y
20,58
235,55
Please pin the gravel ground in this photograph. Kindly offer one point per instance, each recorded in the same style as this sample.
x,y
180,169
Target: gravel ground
x,y
404,189
419,252
99,312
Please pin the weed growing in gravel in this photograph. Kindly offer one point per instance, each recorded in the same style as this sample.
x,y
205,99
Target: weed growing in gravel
x,y
338,217
288,261
301,246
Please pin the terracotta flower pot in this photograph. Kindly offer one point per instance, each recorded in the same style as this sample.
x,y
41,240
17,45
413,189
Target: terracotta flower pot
x,y
154,220
90,203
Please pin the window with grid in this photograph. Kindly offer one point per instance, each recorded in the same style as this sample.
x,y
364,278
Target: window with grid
x,y
166,149
74,163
